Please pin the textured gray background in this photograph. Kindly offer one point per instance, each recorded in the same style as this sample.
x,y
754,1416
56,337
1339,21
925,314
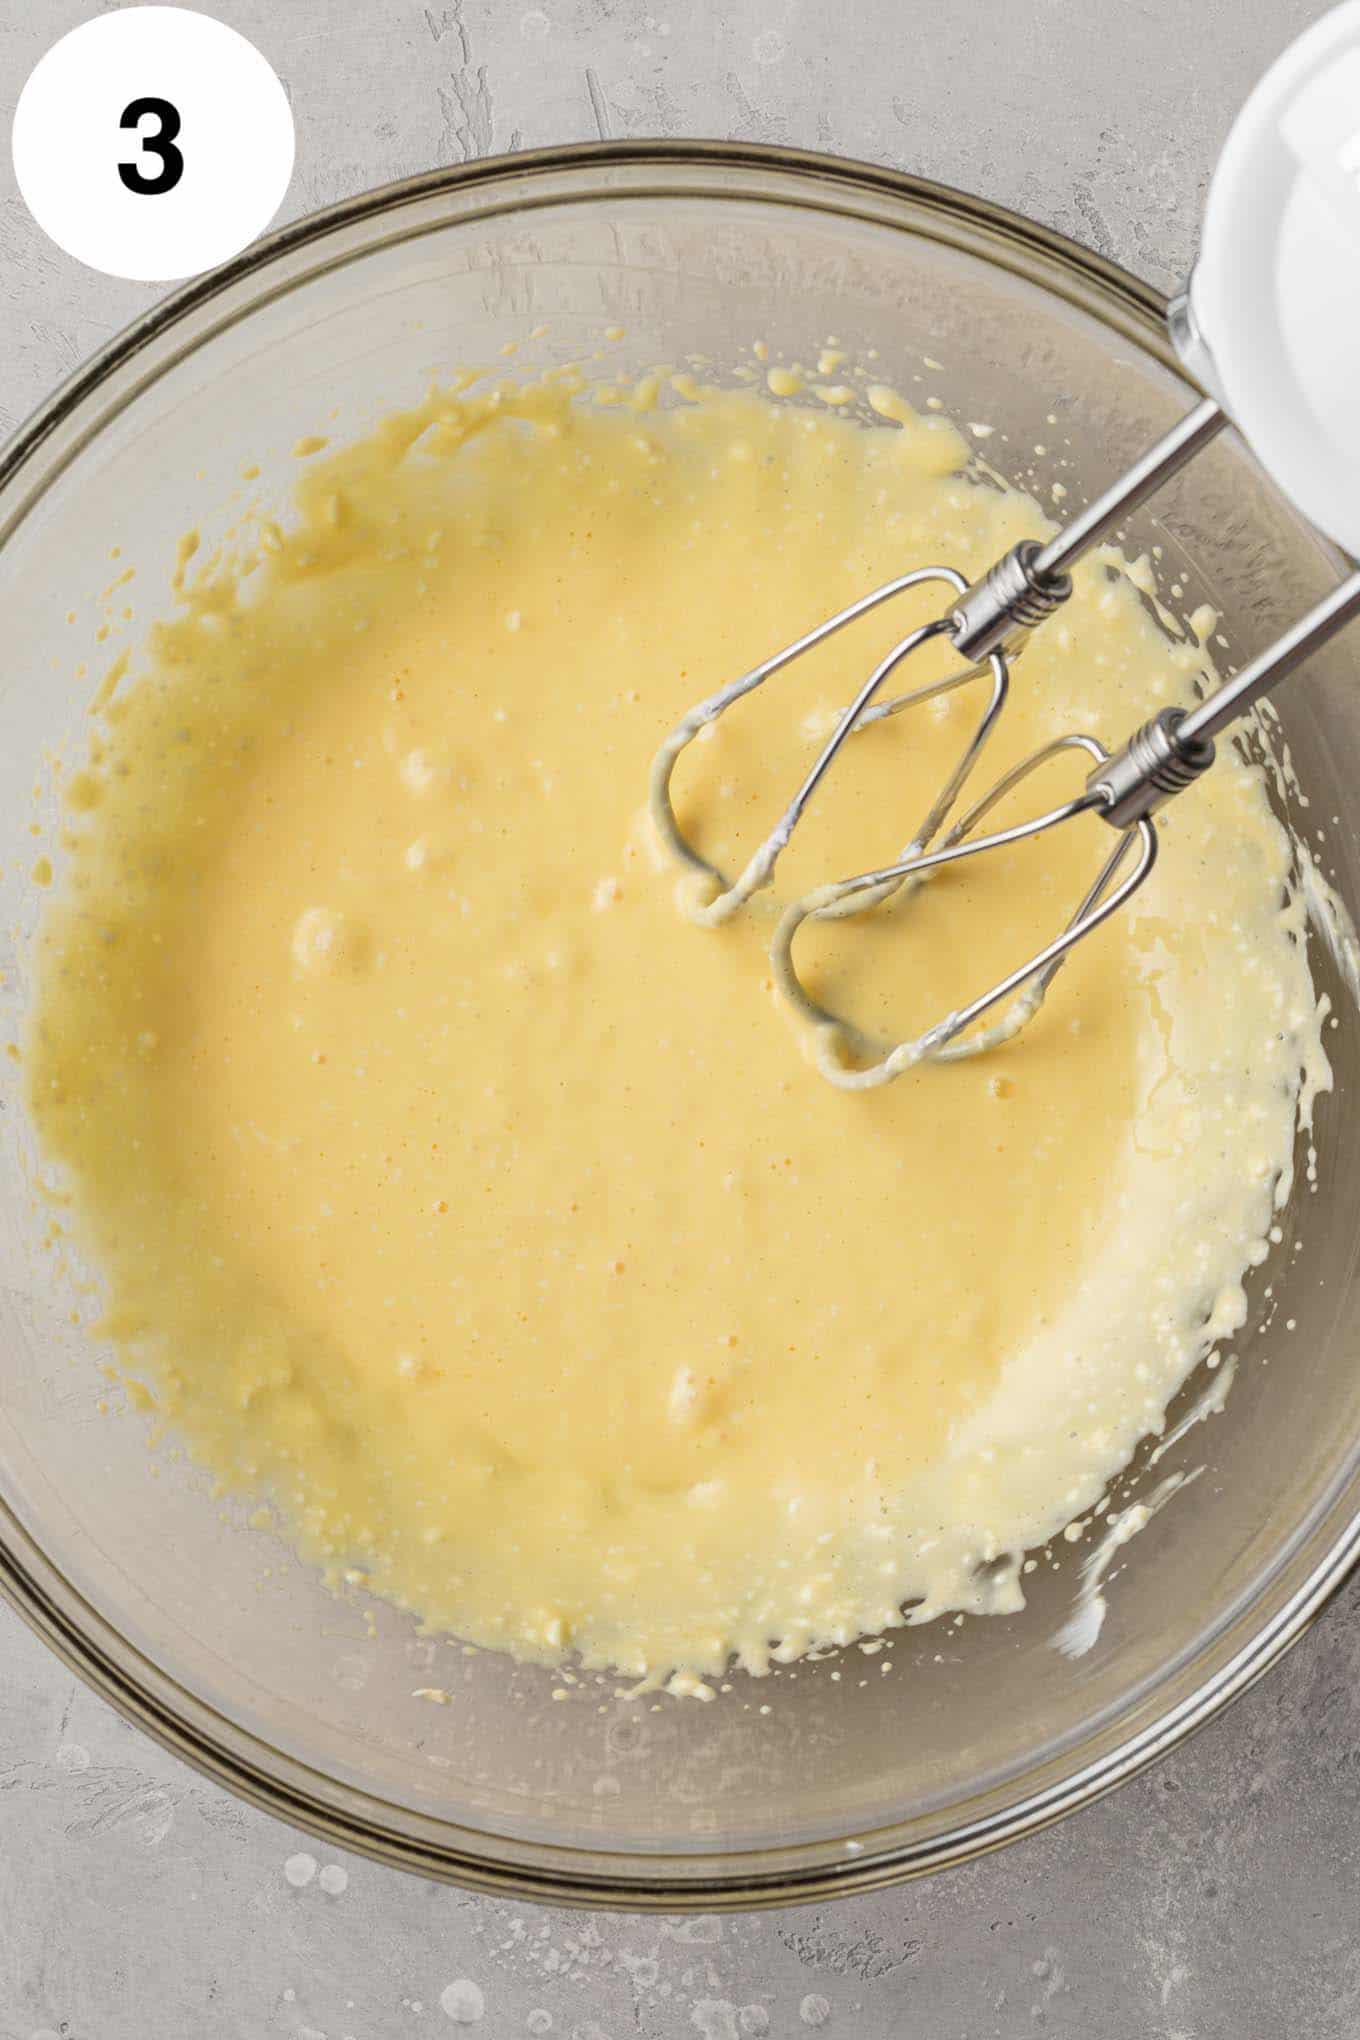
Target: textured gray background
x,y
1217,1898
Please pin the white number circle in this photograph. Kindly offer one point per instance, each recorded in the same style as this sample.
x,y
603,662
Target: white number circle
x,y
153,143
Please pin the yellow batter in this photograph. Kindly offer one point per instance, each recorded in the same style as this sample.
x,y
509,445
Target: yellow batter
x,y
456,1192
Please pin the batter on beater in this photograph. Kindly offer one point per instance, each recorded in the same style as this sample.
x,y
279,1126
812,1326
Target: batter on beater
x,y
455,1193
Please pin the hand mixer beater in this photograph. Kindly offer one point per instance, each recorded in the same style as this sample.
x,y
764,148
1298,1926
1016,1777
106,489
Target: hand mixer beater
x,y
1270,323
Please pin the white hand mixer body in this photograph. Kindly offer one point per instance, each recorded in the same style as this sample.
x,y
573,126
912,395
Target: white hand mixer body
x,y
1271,321
1270,325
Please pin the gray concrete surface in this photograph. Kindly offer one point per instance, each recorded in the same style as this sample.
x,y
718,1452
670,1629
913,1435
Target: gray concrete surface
x,y
1216,1899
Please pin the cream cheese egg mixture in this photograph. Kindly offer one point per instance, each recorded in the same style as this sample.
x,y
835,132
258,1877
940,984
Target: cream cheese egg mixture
x,y
456,1195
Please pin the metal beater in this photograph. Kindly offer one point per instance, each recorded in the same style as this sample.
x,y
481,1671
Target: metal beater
x,y
1277,292
1124,788
987,625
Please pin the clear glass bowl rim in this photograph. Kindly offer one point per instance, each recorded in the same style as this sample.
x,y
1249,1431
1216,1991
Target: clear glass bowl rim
x,y
91,1646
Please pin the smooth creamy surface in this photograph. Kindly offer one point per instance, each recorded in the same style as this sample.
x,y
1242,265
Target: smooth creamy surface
x,y
456,1192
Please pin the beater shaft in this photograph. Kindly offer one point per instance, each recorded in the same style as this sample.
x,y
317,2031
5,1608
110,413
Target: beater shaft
x,y
1032,580
1176,746
1173,451
1298,643
996,613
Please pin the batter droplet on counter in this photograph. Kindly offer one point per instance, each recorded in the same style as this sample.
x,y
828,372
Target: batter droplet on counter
x,y
463,2001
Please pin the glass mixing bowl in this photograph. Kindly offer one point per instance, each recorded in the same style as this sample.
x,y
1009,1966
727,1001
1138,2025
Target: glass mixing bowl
x,y
209,1634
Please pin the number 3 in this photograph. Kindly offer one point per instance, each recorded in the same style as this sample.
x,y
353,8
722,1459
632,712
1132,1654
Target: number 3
x,y
161,144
